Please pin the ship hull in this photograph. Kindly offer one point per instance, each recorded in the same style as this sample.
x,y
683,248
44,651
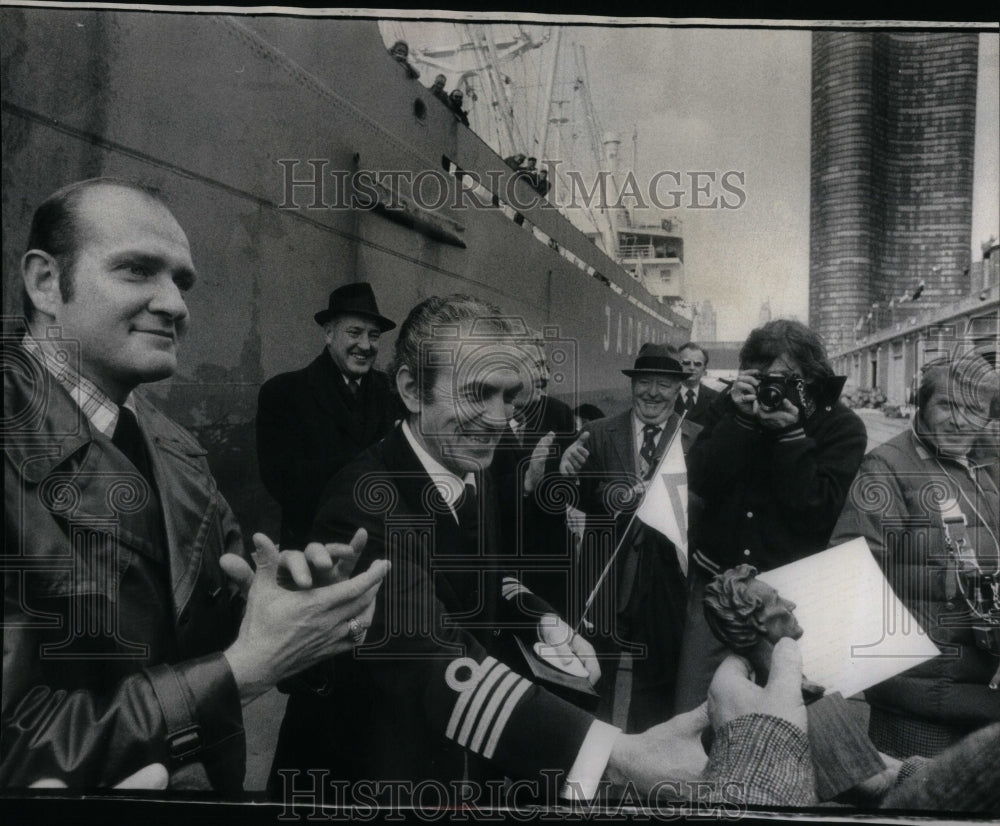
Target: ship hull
x,y
222,115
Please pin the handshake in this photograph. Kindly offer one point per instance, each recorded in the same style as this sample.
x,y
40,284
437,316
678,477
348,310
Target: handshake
x,y
673,751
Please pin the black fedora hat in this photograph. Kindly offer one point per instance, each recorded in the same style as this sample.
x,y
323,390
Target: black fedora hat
x,y
656,358
354,299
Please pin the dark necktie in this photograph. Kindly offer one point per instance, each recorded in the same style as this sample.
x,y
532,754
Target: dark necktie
x,y
128,439
648,449
354,387
690,401
467,508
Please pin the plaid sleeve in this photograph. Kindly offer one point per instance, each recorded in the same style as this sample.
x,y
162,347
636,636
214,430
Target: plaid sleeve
x,y
762,760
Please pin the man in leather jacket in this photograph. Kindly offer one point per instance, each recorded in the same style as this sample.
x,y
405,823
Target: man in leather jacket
x,y
125,644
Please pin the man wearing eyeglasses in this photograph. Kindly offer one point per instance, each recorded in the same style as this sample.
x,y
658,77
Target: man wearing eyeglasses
x,y
695,397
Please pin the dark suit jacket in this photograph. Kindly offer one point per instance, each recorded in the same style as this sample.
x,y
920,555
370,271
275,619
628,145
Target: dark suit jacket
x,y
438,646
706,395
537,536
612,457
646,607
308,427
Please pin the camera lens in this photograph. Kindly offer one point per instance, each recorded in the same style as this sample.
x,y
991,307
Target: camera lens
x,y
770,396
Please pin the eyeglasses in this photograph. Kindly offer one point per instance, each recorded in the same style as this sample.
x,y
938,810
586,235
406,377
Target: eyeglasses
x,y
688,363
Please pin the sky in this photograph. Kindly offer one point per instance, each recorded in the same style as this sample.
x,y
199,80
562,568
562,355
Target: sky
x,y
734,99
738,99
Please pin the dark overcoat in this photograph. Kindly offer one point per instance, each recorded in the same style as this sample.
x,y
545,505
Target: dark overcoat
x,y
308,427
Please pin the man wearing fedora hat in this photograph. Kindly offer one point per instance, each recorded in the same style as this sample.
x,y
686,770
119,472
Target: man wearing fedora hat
x,y
644,599
311,422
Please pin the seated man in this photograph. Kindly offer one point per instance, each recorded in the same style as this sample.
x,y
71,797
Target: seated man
x,y
122,644
928,506
435,694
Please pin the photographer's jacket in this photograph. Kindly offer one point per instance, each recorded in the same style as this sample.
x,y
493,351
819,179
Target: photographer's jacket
x,y
769,497
115,608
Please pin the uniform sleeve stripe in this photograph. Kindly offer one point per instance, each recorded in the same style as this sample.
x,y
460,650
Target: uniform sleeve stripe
x,y
511,586
464,698
481,692
501,723
491,710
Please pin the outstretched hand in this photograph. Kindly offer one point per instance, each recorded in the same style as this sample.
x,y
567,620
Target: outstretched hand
x,y
670,751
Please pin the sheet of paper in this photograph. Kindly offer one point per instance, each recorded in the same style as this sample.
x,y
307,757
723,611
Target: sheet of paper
x,y
857,632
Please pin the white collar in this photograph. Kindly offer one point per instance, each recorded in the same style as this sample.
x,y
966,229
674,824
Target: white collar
x,y
448,484
61,362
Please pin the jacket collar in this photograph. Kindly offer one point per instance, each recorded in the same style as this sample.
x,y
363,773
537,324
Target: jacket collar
x,y
325,379
359,417
927,450
449,484
43,426
411,477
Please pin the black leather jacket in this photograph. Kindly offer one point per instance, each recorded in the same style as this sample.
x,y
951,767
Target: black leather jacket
x,y
111,652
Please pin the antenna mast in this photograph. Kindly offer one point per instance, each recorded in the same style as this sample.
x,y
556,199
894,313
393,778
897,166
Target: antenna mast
x,y
550,85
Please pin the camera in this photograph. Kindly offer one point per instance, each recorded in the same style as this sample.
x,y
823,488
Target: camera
x,y
774,388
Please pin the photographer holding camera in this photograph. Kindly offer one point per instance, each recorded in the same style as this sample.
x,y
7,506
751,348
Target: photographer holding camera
x,y
768,475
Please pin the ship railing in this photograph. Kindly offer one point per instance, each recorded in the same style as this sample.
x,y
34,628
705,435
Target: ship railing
x,y
636,251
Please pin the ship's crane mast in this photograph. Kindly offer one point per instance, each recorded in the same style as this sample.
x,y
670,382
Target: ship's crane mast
x,y
482,56
479,60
